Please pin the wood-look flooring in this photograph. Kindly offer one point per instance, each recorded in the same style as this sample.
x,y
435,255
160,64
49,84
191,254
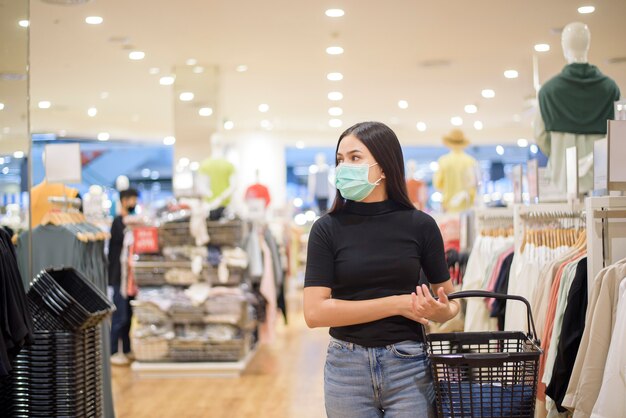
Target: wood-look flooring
x,y
283,380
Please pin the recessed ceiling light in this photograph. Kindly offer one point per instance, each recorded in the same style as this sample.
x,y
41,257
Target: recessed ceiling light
x,y
334,76
335,12
334,50
169,140
456,120
229,124
542,47
241,68
335,96
266,124
584,10
335,111
421,126
94,20
44,104
1,106
186,96
191,61
471,108
403,104
168,80
194,165
104,136
136,55
300,144
18,154
335,123
500,150
104,95
24,23
534,149
205,111
478,125
488,93
263,107
92,111
154,70
511,74
522,142
198,69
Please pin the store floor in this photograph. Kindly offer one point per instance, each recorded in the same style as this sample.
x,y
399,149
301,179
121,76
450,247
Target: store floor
x,y
283,380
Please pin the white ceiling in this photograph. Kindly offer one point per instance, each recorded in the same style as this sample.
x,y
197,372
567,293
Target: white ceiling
x,y
283,44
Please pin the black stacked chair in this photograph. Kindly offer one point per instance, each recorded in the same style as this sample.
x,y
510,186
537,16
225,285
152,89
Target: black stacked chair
x,y
60,375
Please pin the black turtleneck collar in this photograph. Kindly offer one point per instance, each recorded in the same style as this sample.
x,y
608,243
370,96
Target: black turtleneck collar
x,y
370,209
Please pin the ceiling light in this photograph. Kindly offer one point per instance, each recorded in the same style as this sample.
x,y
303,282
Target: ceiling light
x,y
500,150
1,106
241,68
263,108
145,172
534,149
335,96
24,23
421,126
191,61
92,111
511,74
300,144
205,111
584,10
522,142
154,71
266,124
94,20
104,136
334,50
403,104
456,120
136,55
168,80
198,69
169,140
186,96
334,76
194,166
470,108
44,104
478,125
488,93
335,13
335,123
335,111
104,95
229,124
18,154
542,47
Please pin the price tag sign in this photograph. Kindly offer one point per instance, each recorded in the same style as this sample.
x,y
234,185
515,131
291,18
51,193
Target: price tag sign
x,y
146,240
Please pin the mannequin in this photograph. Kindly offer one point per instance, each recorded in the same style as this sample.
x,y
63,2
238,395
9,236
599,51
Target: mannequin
x,y
415,187
219,176
456,177
319,186
258,190
573,109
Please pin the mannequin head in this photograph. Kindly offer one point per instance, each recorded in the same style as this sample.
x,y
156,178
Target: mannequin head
x,y
122,183
575,41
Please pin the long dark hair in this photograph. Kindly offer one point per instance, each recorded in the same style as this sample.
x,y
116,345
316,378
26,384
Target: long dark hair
x,y
383,143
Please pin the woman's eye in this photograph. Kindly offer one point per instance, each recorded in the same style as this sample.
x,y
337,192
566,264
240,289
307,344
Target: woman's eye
x,y
355,158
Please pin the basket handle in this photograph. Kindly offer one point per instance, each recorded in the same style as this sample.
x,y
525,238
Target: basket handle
x,y
484,294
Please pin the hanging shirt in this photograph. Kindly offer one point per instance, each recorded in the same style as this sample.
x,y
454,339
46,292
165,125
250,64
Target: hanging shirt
x,y
456,179
417,193
258,191
219,172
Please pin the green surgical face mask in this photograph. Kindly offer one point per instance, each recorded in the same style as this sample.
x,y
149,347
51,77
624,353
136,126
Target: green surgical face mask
x,y
352,181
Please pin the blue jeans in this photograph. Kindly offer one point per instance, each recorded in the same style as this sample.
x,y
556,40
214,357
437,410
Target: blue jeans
x,y
394,381
121,321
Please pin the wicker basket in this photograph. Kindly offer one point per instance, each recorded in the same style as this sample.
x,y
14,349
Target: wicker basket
x,y
151,348
226,233
206,350
148,313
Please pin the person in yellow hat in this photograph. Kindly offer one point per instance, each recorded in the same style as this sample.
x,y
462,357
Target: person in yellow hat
x,y
456,177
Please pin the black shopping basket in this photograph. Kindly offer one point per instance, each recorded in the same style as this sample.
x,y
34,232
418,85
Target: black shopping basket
x,y
485,374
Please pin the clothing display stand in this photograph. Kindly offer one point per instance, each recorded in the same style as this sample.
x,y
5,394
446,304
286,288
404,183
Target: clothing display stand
x,y
606,232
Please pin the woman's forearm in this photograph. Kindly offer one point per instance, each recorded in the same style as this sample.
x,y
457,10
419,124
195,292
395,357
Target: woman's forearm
x,y
338,313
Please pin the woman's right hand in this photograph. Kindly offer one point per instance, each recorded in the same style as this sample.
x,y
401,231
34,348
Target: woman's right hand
x,y
405,309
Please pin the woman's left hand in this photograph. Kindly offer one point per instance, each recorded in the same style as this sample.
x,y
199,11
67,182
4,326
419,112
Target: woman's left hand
x,y
425,306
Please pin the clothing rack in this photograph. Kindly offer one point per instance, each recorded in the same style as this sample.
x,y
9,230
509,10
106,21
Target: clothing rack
x,y
606,232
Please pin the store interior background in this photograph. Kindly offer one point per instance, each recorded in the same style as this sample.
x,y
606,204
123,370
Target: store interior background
x,y
262,70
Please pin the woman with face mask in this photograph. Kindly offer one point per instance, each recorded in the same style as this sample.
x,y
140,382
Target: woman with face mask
x,y
362,281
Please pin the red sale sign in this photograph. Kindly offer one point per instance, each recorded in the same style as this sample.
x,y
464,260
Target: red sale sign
x,y
146,240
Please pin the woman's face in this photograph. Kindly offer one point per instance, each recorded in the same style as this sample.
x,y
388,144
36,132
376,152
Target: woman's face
x,y
353,151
